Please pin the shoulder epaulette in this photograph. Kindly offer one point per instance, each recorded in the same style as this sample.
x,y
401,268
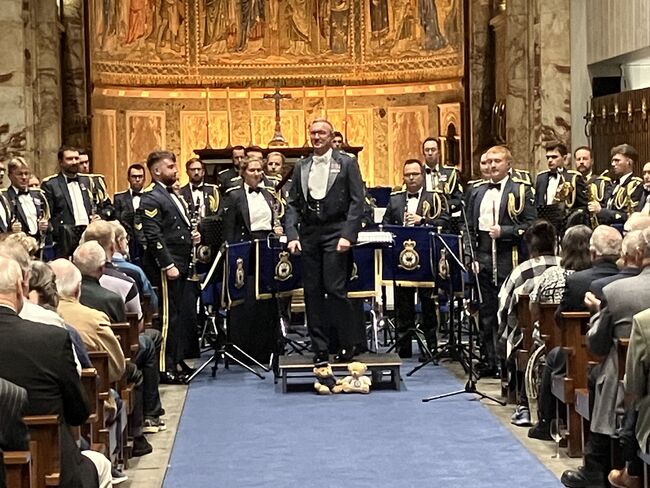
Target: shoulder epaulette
x,y
450,167
479,183
120,192
223,171
149,187
473,182
397,192
542,172
519,170
235,178
603,177
573,171
605,173
519,180
47,178
232,188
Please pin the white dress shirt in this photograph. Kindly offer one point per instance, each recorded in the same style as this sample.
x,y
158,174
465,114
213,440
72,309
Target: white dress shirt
x,y
490,205
319,174
259,212
78,207
553,183
432,177
412,203
198,199
29,209
135,199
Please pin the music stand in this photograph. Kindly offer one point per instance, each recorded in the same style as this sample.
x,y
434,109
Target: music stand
x,y
220,341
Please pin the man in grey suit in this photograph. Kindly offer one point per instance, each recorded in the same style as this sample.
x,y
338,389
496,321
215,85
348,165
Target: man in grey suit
x,y
622,299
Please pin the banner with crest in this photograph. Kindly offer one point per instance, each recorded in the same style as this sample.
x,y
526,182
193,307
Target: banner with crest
x,y
408,262
448,275
363,281
276,271
235,276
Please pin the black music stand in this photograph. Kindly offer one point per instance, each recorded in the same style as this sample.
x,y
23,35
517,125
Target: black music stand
x,y
219,338
470,385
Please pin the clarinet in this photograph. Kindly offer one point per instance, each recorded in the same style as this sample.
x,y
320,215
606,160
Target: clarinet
x,y
194,221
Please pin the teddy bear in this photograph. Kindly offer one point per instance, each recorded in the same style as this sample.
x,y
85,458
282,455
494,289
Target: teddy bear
x,y
325,380
356,382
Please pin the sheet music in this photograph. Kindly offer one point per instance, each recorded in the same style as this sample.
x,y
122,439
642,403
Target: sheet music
x,y
377,237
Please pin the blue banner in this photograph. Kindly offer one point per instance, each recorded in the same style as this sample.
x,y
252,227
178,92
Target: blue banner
x,y
408,262
277,271
448,275
364,272
235,274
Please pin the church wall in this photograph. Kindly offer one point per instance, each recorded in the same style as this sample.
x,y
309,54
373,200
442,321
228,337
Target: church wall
x,y
389,121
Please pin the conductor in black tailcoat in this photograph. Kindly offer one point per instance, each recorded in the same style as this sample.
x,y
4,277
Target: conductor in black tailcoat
x,y
499,211
416,207
168,237
323,218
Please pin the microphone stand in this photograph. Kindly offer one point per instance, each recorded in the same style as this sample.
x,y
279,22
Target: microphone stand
x,y
470,386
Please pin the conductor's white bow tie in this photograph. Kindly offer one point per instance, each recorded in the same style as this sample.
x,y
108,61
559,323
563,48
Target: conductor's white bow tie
x,y
320,159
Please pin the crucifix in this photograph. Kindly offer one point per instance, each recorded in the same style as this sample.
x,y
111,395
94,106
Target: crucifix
x,y
278,139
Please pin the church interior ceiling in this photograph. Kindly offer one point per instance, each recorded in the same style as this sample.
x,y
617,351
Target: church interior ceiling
x,y
249,42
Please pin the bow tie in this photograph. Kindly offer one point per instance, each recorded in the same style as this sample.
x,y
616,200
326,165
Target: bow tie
x,y
412,195
72,179
494,186
431,170
136,194
23,192
197,187
320,159
170,189
254,190
553,175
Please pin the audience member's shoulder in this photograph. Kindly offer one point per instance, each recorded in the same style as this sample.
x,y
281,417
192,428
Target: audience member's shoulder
x,y
39,333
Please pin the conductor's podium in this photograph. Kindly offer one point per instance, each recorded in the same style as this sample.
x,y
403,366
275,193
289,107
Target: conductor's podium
x,y
379,366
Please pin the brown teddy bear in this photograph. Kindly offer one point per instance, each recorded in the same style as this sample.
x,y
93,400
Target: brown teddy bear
x,y
325,380
356,382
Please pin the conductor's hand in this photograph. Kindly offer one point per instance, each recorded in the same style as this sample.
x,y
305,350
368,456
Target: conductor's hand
x,y
594,207
294,247
196,237
172,273
475,267
343,245
495,231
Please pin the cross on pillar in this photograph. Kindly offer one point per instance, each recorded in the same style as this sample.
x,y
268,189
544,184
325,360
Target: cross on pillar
x,y
278,138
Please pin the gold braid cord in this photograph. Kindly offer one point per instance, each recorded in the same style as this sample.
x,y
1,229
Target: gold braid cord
x,y
513,209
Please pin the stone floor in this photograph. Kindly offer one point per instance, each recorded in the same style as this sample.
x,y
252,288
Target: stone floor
x,y
149,471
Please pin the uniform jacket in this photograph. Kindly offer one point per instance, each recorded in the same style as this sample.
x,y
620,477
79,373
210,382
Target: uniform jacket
x,y
56,192
577,196
123,203
343,201
599,188
39,358
431,205
624,298
637,379
102,200
448,182
40,202
210,198
624,200
237,224
166,230
227,178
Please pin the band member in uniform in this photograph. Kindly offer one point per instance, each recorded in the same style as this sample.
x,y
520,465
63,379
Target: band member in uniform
x,y
323,218
202,198
627,191
227,178
169,239
410,207
126,204
29,206
101,199
560,193
439,177
499,211
251,213
599,187
274,163
70,202
337,140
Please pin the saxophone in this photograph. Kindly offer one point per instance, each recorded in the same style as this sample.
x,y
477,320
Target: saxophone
x,y
592,192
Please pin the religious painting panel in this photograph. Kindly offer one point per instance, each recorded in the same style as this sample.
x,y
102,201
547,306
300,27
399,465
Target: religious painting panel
x,y
449,122
407,128
359,132
274,32
194,135
145,132
104,144
138,32
293,127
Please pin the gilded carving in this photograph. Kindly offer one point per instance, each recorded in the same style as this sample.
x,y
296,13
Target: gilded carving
x,y
407,128
145,132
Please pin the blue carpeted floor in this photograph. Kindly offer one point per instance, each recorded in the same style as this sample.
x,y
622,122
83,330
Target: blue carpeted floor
x,y
239,431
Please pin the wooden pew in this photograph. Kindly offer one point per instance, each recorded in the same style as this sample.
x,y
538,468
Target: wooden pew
x,y
133,333
548,328
106,435
90,382
525,324
46,456
19,468
573,340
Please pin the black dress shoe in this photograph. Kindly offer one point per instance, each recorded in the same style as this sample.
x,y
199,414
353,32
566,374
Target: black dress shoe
x,y
321,358
345,355
141,446
581,478
170,378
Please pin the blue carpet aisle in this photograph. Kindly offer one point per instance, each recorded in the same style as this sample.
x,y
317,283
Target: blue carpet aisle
x,y
239,431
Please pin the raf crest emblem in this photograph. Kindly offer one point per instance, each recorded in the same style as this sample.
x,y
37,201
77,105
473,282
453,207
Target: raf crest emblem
x,y
239,273
409,259
284,268
443,265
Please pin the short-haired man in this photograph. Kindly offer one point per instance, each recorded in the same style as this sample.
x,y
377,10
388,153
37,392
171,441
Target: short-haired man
x,y
599,187
101,199
69,198
323,218
439,177
202,198
337,140
169,237
29,206
627,191
229,177
126,203
498,212
274,162
559,191
415,206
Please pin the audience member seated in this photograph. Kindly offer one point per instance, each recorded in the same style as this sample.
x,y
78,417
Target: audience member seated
x,y
549,290
540,239
39,358
623,298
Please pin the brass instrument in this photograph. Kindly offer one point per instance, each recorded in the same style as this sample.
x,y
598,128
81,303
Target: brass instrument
x,y
592,197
